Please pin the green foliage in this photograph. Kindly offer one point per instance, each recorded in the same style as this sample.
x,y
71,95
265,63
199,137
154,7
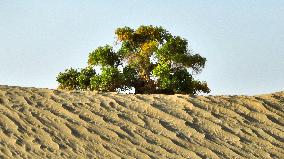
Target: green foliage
x,y
84,78
104,56
168,74
109,80
162,70
130,76
68,79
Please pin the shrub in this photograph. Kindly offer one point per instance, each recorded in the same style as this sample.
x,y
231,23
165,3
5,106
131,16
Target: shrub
x,y
68,79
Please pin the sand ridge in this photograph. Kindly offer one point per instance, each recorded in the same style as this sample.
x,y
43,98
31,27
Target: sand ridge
x,y
44,123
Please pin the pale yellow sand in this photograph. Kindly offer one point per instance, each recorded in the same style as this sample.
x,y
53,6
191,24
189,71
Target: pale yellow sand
x,y
43,123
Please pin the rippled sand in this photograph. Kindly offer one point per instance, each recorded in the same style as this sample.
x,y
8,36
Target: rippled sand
x,y
44,123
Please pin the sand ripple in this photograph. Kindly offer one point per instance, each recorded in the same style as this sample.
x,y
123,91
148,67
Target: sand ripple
x,y
43,123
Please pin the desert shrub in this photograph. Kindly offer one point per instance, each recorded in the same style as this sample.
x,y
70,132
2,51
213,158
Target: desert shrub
x,y
84,78
68,79
109,80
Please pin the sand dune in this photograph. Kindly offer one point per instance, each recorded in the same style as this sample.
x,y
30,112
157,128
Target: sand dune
x,y
43,123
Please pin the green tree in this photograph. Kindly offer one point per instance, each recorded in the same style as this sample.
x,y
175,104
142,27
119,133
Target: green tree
x,y
151,61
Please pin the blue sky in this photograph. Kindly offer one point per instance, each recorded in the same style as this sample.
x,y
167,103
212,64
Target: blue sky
x,y
242,40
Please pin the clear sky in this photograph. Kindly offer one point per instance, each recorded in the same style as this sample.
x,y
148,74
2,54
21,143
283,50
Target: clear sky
x,y
242,40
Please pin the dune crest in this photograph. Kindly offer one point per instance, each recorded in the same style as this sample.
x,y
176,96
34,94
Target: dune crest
x,y
44,123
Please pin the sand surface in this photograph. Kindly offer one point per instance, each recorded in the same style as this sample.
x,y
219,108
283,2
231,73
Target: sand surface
x,y
43,123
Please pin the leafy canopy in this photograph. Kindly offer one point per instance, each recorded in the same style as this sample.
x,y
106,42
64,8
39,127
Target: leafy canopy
x,y
148,59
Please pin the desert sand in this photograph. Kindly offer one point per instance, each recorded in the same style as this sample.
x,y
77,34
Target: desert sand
x,y
45,123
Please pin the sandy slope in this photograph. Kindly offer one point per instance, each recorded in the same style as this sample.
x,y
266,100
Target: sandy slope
x,y
43,123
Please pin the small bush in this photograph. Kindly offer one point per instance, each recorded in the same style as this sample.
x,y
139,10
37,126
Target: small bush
x,y
68,79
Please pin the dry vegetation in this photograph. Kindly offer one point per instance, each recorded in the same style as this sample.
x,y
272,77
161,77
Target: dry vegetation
x,y
43,123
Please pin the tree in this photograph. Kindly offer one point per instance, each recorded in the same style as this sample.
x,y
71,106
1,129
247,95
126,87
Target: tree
x,y
149,59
